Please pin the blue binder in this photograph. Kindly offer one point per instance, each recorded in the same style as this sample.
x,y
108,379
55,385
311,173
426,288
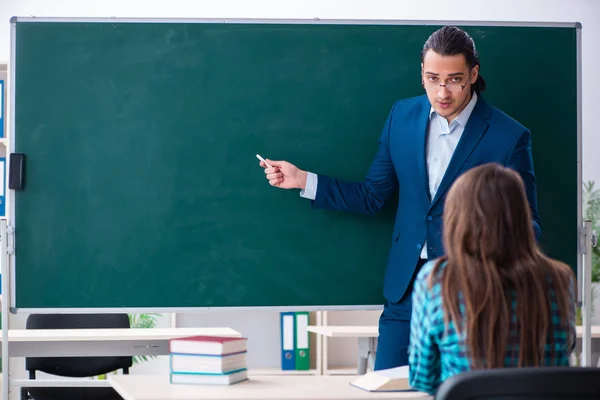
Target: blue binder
x,y
288,341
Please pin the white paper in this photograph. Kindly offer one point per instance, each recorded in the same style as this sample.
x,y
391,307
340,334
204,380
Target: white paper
x,y
302,330
288,332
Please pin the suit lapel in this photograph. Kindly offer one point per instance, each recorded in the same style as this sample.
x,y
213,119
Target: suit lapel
x,y
421,119
476,127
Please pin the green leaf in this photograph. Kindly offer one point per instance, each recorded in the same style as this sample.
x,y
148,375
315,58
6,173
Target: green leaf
x,y
591,212
148,320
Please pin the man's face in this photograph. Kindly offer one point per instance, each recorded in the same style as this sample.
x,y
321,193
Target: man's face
x,y
452,71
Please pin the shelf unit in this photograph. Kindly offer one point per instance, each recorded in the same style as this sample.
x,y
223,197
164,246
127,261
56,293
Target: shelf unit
x,y
277,371
348,366
344,358
315,317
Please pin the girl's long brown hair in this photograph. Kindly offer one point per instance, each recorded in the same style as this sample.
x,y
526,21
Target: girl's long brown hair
x,y
492,260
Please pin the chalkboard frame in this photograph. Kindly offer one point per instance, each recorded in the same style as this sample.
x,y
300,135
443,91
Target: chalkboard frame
x,y
9,270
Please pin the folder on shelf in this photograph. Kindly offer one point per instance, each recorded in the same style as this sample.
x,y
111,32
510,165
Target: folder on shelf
x,y
302,341
288,351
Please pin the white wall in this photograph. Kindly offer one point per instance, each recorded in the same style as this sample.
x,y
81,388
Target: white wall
x,y
585,11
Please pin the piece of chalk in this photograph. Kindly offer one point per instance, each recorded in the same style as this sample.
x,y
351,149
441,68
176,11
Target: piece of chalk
x,y
263,160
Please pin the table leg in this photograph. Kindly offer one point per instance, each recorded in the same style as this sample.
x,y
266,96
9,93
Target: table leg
x,y
363,356
372,352
367,348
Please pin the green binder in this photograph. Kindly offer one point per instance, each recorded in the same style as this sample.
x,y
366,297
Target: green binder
x,y
302,339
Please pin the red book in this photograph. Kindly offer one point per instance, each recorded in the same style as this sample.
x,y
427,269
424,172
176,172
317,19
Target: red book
x,y
207,345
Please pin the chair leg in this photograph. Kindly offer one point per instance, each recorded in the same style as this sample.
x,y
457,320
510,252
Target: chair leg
x,y
24,391
126,371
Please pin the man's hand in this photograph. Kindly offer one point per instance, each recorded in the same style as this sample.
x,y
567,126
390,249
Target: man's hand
x,y
284,175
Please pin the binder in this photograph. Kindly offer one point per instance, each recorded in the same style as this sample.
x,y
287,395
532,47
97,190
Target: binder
x,y
2,187
2,119
288,351
302,341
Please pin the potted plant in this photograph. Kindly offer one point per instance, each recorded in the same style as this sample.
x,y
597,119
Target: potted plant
x,y
148,320
591,211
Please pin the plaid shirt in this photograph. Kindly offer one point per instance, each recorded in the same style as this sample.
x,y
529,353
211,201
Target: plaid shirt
x,y
435,355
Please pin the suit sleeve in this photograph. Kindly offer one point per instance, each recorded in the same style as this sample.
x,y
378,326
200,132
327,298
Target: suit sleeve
x,y
521,160
368,196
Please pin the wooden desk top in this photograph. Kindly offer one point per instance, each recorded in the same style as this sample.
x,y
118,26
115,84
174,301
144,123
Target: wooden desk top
x,y
157,387
372,331
83,335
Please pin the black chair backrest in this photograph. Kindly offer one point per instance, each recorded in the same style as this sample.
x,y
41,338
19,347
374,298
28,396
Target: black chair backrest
x,y
77,366
540,383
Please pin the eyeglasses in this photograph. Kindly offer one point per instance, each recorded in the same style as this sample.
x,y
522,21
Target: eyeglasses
x,y
451,87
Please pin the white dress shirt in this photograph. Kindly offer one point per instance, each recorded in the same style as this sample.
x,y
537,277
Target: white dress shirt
x,y
442,139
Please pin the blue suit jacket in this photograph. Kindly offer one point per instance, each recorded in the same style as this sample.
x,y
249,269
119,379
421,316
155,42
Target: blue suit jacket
x,y
400,163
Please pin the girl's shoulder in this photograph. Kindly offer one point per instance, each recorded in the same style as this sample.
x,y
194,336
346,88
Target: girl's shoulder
x,y
427,269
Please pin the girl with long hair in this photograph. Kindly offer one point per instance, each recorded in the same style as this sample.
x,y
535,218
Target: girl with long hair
x,y
494,299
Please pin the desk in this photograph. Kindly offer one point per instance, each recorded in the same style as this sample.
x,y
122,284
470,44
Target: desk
x,y
367,340
96,342
157,387
101,342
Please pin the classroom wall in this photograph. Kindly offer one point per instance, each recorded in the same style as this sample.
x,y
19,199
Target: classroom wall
x,y
264,328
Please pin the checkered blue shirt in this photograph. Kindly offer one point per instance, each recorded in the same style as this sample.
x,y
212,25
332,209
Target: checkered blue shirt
x,y
435,355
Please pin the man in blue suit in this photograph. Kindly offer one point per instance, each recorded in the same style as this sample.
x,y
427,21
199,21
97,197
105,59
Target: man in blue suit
x,y
427,142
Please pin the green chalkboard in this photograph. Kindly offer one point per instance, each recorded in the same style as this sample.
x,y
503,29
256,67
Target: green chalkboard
x,y
142,189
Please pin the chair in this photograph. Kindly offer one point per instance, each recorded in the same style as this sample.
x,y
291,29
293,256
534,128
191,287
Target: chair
x,y
75,366
535,383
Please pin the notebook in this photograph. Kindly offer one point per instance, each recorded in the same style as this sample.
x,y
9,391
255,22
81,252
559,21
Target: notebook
x,y
384,380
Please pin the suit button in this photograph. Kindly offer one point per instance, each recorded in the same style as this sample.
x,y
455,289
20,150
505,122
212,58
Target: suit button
x,y
429,218
419,246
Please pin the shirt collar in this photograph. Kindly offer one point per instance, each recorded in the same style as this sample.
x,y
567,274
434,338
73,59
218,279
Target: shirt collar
x,y
464,115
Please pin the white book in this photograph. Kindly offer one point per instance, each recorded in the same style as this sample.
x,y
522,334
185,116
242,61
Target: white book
x,y
194,363
384,380
209,379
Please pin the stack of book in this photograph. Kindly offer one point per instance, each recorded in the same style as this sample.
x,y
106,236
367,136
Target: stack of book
x,y
208,360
